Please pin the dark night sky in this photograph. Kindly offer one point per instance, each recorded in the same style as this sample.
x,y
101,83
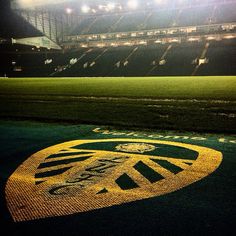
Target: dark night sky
x,y
4,4
4,8
6,18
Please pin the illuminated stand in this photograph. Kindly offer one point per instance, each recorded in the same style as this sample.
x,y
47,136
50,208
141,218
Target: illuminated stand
x,y
59,19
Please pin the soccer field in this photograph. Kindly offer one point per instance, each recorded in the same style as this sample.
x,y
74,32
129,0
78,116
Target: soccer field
x,y
185,103
161,103
200,87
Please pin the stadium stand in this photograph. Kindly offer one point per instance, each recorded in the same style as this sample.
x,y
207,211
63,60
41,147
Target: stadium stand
x,y
161,60
154,19
149,60
221,59
196,39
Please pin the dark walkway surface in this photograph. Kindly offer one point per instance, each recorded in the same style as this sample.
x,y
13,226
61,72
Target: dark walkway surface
x,y
115,182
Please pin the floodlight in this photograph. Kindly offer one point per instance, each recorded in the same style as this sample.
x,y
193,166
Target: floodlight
x,y
34,3
25,3
229,36
110,6
160,1
132,4
85,9
68,10
211,38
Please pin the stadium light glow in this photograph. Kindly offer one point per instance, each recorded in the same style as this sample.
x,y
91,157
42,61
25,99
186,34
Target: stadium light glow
x,y
160,1
181,1
120,7
211,38
132,4
229,36
85,9
35,3
111,6
68,10
193,39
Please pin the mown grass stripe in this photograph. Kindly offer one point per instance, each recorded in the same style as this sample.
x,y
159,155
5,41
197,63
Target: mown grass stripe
x,y
175,87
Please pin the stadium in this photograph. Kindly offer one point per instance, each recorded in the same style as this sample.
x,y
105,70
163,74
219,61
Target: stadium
x,y
118,117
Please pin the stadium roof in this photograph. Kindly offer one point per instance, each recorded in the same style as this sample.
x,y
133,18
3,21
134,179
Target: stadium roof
x,y
94,6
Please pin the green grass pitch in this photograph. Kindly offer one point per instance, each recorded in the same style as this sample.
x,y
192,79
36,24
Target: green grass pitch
x,y
186,103
199,87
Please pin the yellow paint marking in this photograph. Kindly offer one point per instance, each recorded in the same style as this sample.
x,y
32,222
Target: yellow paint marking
x,y
76,190
139,179
180,163
66,157
52,168
144,157
159,169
